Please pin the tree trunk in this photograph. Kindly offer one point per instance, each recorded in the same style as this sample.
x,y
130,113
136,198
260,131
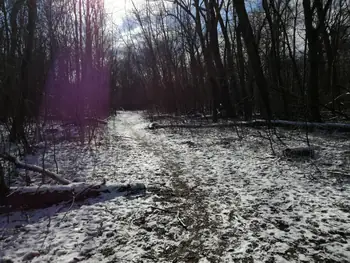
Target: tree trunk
x,y
4,189
35,197
314,55
17,129
246,94
213,46
230,66
312,89
275,62
253,54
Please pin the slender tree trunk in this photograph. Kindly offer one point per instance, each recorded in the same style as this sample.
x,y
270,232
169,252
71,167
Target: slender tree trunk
x,y
17,129
246,94
275,62
225,96
231,109
312,89
253,55
314,56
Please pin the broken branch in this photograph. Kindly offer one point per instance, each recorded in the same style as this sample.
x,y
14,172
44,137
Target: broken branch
x,y
34,168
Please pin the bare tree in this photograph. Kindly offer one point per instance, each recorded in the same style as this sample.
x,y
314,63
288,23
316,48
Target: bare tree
x,y
253,54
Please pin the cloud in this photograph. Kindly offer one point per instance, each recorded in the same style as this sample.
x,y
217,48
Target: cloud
x,y
119,9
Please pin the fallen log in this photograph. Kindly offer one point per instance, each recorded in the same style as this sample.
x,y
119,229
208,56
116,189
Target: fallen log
x,y
299,152
34,168
195,116
155,125
327,126
339,127
84,122
36,197
98,121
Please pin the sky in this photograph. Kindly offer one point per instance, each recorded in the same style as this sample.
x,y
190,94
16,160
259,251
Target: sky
x,y
118,9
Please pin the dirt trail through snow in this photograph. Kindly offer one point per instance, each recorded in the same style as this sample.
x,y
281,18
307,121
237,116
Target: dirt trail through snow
x,y
192,203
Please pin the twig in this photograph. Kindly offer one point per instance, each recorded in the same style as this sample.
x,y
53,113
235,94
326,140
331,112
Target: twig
x,y
162,209
180,221
65,214
47,232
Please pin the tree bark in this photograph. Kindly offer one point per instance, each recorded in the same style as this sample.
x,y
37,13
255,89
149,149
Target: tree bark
x,y
17,129
35,197
275,63
313,35
253,54
213,18
246,93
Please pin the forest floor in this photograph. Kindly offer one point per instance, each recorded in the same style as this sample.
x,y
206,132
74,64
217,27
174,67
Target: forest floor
x,y
214,195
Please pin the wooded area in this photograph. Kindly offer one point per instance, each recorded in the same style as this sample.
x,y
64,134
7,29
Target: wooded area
x,y
279,59
239,153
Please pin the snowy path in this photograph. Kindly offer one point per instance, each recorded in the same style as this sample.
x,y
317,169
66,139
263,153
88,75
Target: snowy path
x,y
213,198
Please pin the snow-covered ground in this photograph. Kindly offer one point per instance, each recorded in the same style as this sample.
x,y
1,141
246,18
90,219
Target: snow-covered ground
x,y
213,196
